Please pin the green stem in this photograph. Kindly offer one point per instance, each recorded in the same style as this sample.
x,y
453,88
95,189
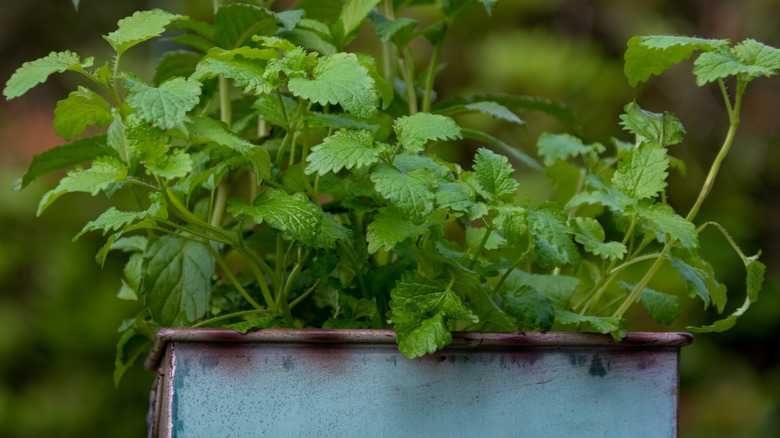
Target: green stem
x,y
308,292
504,277
728,238
232,278
482,244
644,282
387,49
430,79
229,316
411,95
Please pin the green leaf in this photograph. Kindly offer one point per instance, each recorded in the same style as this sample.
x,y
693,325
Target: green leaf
x,y
455,196
236,23
131,346
665,129
269,108
113,219
36,72
245,66
494,177
80,109
412,193
257,323
351,18
556,288
176,164
206,129
177,285
700,280
331,232
454,8
491,108
663,308
293,214
514,223
148,142
344,149
510,151
430,335
103,172
387,29
475,235
610,198
339,79
532,310
67,155
555,147
651,55
749,59
662,220
178,63
642,172
552,237
605,324
589,233
139,27
414,132
164,106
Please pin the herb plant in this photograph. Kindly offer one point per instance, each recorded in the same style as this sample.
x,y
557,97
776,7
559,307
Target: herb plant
x,y
277,180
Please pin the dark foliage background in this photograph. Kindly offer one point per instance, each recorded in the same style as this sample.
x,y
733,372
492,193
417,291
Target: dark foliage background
x,y
58,311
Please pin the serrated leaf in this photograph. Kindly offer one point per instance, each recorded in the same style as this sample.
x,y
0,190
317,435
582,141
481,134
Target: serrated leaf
x,y
651,55
555,147
556,288
414,132
750,59
103,172
81,109
664,129
494,176
339,79
663,308
177,63
351,18
344,149
387,29
236,23
430,335
488,107
600,324
610,198
700,280
412,193
532,310
139,27
67,155
642,172
331,232
245,66
206,129
552,236
113,219
177,285
455,196
662,220
141,139
514,223
257,323
164,106
475,235
589,233
32,73
176,164
268,107
293,214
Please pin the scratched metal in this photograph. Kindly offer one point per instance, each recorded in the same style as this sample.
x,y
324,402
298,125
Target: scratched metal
x,y
217,383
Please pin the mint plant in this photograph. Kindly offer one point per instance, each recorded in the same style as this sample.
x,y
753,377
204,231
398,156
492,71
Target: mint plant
x,y
277,180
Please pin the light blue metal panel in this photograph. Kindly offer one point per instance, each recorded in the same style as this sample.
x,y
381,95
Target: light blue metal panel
x,y
292,389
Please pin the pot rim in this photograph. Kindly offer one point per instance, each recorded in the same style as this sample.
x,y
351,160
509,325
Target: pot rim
x,y
651,340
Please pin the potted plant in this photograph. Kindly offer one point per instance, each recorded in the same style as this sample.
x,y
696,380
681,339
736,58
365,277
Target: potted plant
x,y
277,181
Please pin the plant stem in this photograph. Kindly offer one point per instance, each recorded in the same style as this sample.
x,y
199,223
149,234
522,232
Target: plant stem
x,y
232,278
229,316
358,267
430,79
308,292
644,282
488,230
404,61
504,277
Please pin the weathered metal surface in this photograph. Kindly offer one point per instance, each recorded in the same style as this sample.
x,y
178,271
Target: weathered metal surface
x,y
218,383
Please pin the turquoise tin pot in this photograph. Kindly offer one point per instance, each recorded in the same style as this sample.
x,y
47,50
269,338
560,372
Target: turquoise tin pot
x,y
354,383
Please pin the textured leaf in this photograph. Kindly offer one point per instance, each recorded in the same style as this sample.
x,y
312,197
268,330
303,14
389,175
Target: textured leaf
x,y
555,147
36,72
81,109
642,172
339,79
331,231
113,219
456,196
176,164
665,129
589,233
606,324
700,281
494,175
414,132
206,129
663,308
412,193
344,149
257,323
177,285
146,141
178,63
351,18
293,214
269,108
164,106
662,220
556,288
514,222
296,63
387,29
389,228
131,345
103,172
475,235
610,198
245,66
139,27
651,55
532,310
67,155
552,237
430,335
750,59
236,23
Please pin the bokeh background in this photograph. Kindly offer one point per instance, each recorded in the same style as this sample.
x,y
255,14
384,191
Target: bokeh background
x,y
58,310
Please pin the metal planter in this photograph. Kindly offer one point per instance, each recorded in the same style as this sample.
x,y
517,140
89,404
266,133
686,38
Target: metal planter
x,y
341,383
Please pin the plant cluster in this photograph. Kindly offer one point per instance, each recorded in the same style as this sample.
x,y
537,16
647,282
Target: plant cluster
x,y
281,181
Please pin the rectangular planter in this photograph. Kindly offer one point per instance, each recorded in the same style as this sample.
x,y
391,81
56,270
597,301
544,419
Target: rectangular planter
x,y
341,383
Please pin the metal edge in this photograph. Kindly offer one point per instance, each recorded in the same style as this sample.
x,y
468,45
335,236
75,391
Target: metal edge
x,y
386,336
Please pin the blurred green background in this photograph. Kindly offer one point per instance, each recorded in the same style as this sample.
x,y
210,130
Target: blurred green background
x,y
58,311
